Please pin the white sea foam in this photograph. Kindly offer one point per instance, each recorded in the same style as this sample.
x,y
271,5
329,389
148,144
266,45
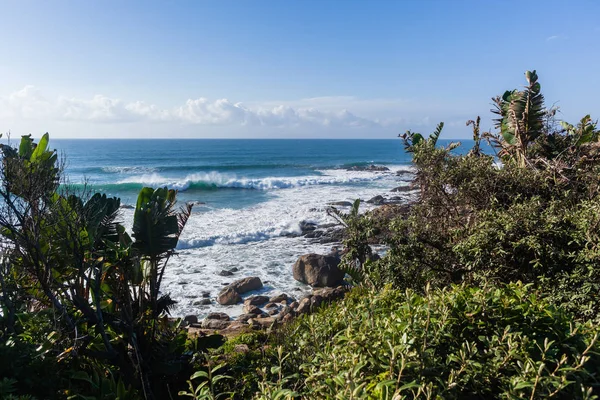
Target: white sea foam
x,y
128,169
255,240
223,180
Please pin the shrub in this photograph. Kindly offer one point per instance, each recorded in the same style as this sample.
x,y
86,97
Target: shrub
x,y
459,342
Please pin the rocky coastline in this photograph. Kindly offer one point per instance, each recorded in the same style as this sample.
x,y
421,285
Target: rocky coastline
x,y
319,271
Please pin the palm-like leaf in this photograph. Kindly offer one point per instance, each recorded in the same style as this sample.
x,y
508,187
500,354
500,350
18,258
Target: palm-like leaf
x,y
155,225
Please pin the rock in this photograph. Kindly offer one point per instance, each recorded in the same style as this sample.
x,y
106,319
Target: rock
x,y
287,318
294,305
371,168
279,298
228,296
334,235
190,319
241,348
315,302
377,200
224,272
251,309
318,270
304,305
204,302
232,330
234,269
218,315
306,227
271,305
401,189
245,317
272,312
314,234
341,204
328,294
247,284
284,311
256,300
205,294
263,322
215,324
401,172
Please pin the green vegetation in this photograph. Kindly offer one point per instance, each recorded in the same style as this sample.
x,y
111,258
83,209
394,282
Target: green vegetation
x,y
488,289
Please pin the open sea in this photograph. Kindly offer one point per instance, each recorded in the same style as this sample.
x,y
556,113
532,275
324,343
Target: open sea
x,y
250,196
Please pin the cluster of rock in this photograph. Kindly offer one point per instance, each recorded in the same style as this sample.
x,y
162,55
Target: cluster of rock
x,y
369,168
261,312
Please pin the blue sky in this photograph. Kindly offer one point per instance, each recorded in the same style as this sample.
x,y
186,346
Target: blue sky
x,y
368,69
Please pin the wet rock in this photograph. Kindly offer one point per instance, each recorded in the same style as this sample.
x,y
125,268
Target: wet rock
x,y
304,305
271,305
256,300
205,294
263,323
279,298
245,317
377,200
215,324
401,172
314,234
318,270
401,189
203,302
251,309
218,315
224,272
247,284
190,319
341,204
371,168
306,227
228,296
334,235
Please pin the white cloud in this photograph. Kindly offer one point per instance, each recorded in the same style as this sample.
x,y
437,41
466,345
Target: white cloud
x,y
29,104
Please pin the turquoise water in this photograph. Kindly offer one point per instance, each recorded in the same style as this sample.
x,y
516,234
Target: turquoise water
x,y
223,173
251,198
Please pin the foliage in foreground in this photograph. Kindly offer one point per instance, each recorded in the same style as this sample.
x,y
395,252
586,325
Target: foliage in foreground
x,y
455,343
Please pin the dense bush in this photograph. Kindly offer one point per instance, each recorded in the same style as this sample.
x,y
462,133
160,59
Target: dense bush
x,y
455,343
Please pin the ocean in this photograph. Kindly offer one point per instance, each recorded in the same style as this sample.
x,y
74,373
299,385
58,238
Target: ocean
x,y
251,197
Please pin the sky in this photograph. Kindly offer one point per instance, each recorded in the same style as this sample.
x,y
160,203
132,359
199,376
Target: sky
x,y
286,69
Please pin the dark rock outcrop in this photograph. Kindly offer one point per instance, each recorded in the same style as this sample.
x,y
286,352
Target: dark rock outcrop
x,y
318,270
371,168
377,200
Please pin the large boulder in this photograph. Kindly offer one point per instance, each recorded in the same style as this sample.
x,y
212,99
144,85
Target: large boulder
x,y
231,293
318,270
228,296
247,284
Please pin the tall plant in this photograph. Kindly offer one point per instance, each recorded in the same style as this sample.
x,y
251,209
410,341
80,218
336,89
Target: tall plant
x,y
521,118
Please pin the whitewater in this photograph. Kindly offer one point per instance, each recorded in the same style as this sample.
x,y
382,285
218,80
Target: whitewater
x,y
250,199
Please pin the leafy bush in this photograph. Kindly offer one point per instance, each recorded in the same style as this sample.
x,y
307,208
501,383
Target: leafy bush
x,y
460,342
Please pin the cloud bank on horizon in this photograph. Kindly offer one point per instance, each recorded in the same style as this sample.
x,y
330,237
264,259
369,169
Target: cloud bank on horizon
x,y
324,115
